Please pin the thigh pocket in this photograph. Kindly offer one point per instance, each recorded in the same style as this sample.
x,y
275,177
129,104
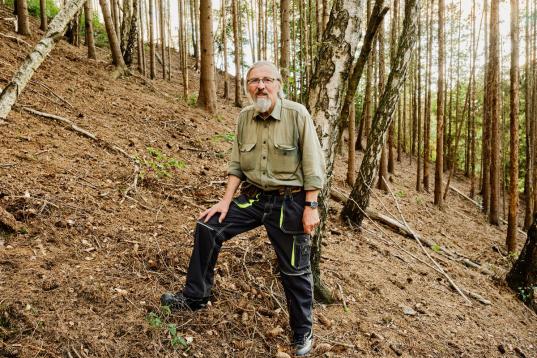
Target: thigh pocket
x,y
300,255
291,217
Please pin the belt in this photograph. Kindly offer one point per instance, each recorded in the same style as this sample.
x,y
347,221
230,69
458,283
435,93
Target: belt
x,y
252,190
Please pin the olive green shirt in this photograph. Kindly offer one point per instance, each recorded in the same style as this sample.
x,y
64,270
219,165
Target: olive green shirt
x,y
281,150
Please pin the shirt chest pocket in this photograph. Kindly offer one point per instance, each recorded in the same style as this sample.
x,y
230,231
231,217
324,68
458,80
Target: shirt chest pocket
x,y
285,158
247,156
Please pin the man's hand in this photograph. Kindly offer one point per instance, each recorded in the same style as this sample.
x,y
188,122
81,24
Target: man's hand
x,y
221,207
310,219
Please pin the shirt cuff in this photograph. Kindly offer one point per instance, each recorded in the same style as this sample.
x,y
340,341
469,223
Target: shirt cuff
x,y
236,172
313,183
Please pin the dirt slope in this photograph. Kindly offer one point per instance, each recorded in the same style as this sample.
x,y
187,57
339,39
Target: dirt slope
x,y
84,276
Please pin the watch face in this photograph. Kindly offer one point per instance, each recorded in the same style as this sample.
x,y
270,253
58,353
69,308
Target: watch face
x,y
312,204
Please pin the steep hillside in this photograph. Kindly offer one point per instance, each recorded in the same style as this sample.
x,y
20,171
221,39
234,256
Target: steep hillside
x,y
84,275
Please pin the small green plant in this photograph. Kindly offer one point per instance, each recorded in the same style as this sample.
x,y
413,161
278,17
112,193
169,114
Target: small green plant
x,y
156,322
400,194
192,99
436,248
226,137
158,164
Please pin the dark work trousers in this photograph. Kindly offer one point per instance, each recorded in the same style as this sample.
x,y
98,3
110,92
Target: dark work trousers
x,y
282,217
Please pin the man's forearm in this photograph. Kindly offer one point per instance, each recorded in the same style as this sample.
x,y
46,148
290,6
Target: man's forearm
x,y
312,195
233,183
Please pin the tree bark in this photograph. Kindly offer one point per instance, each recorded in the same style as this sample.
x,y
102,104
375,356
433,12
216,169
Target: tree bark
x,y
237,55
286,39
43,15
14,88
494,95
207,92
513,155
325,99
438,186
23,23
90,40
117,58
351,160
361,190
383,167
523,276
428,97
528,179
151,29
224,47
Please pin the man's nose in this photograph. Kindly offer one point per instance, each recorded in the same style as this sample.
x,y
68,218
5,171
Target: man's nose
x,y
261,84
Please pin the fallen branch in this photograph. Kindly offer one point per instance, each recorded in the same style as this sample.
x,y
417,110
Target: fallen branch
x,y
7,165
423,249
400,228
480,207
92,136
16,39
471,294
16,86
54,94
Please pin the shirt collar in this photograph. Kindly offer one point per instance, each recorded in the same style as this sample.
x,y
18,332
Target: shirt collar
x,y
276,112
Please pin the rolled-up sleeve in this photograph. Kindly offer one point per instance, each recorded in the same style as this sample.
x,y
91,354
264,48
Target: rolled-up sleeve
x,y
313,164
234,166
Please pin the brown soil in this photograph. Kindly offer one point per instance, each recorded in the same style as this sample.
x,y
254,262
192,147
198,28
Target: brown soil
x,y
84,276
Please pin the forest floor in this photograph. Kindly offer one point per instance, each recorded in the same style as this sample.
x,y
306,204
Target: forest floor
x,y
84,276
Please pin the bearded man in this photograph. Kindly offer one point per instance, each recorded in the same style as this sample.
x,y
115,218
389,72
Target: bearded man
x,y
277,156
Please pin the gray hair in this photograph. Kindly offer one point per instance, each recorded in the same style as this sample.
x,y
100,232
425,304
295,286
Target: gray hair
x,y
275,71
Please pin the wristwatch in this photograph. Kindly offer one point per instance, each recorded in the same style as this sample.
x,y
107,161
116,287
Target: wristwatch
x,y
312,204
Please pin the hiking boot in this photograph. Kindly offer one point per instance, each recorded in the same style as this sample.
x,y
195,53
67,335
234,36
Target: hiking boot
x,y
303,343
179,302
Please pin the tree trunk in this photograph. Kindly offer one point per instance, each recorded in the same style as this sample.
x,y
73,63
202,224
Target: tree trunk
x,y
224,47
438,186
528,179
90,40
152,68
141,47
523,276
162,15
183,47
43,15
513,157
237,49
117,58
16,86
361,190
23,23
207,92
325,99
485,147
351,160
494,90
383,168
286,39
393,36
428,98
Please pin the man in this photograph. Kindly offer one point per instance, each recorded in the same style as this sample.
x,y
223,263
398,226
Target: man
x,y
278,155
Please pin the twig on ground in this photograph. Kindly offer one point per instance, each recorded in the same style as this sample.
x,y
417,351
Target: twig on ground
x,y
14,38
138,202
54,94
342,297
423,248
7,165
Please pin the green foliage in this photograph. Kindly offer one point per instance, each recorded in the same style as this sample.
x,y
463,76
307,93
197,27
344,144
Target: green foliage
x,y
192,99
99,31
156,321
436,248
226,137
35,10
158,164
400,194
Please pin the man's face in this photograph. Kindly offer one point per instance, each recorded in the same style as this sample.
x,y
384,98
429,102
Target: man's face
x,y
264,93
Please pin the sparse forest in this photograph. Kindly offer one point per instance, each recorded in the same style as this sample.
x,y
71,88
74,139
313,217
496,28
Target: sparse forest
x,y
118,118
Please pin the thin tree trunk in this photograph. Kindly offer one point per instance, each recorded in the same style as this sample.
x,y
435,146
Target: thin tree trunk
x,y
43,15
16,86
351,162
224,46
383,168
141,47
485,147
494,90
23,23
438,186
90,41
117,58
513,127
152,69
207,92
361,191
237,49
286,39
393,36
428,98
528,179
162,12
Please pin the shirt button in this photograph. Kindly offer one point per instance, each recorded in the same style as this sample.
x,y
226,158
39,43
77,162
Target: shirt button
x,y
264,157
264,142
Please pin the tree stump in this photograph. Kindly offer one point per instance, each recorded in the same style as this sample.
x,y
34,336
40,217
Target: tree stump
x,y
523,276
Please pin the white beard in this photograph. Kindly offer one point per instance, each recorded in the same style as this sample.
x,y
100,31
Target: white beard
x,y
262,105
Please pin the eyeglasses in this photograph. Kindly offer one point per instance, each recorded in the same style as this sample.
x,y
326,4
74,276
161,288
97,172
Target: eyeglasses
x,y
265,80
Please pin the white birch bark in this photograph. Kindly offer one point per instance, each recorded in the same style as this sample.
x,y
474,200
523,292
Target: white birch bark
x,y
11,92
